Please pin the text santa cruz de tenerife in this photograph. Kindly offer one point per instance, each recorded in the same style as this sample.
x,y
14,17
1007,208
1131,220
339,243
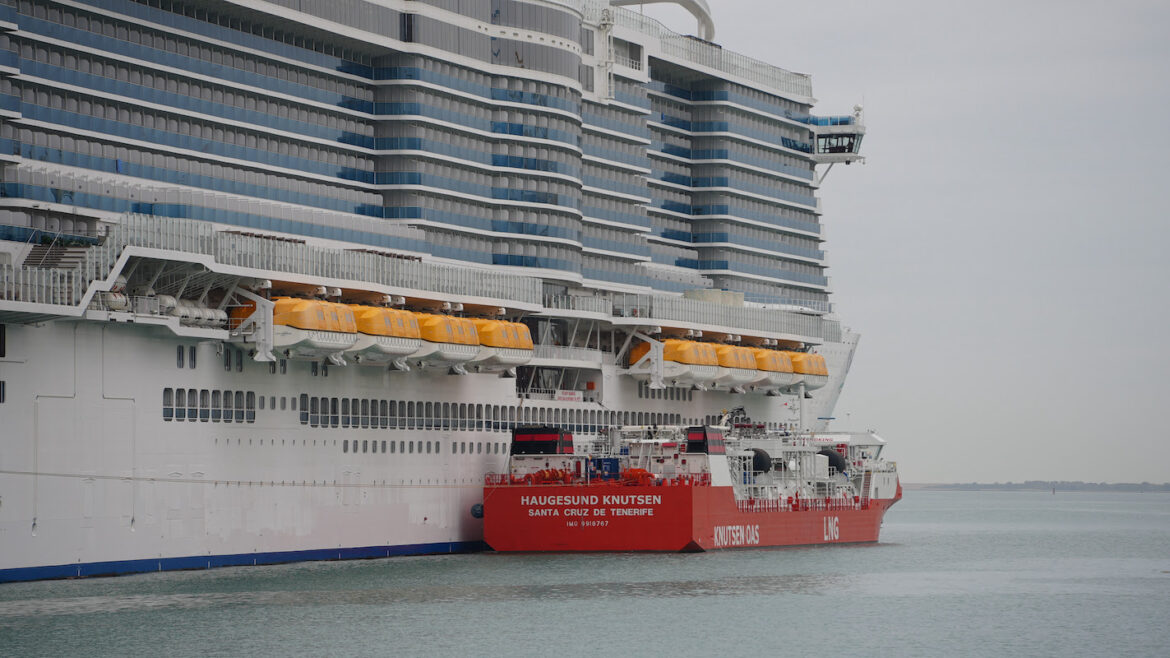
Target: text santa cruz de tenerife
x,y
592,505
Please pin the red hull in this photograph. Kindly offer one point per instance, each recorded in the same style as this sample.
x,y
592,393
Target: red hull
x,y
655,518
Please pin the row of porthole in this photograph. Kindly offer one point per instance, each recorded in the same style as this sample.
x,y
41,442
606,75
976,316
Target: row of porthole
x,y
401,447
430,447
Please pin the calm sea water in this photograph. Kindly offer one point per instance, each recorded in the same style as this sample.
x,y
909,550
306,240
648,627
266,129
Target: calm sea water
x,y
970,573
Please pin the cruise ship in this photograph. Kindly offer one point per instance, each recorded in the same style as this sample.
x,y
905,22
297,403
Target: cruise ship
x,y
279,279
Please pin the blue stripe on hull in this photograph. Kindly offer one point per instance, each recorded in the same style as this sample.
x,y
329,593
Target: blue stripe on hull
x,y
87,569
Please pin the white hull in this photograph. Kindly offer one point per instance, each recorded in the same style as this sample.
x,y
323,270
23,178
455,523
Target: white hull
x,y
91,473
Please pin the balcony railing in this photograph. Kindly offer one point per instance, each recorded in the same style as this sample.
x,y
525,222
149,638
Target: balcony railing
x,y
68,286
578,303
741,317
572,354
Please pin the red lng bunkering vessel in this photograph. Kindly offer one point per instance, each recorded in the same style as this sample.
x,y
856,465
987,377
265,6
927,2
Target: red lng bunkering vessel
x,y
688,489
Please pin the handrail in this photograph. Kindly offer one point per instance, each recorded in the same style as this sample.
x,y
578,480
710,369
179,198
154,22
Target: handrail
x,y
50,249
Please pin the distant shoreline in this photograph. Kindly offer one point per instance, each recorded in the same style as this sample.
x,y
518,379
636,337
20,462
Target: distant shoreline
x,y
1041,485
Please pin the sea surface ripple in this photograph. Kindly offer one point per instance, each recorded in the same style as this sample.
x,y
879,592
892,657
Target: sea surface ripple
x,y
956,573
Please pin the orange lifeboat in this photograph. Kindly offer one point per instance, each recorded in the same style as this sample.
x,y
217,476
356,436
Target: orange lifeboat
x,y
737,366
387,336
684,362
810,368
445,339
312,329
502,344
775,370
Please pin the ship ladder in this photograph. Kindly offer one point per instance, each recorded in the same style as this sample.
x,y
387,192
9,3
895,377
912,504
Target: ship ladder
x,y
866,484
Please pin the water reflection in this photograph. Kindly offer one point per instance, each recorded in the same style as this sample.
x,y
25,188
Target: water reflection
x,y
414,595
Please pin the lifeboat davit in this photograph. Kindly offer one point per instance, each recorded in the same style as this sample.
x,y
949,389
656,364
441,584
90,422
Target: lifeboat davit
x,y
445,340
737,366
685,362
386,335
774,369
502,344
811,369
312,329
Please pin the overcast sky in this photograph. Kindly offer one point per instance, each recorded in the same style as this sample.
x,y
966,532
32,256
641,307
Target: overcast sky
x,y
1003,250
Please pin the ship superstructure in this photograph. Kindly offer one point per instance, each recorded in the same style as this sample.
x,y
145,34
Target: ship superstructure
x,y
277,279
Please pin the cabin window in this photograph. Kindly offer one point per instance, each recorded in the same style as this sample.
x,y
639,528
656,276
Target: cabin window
x,y
272,367
365,446
366,413
384,417
239,360
181,404
261,401
168,403
384,447
239,406
227,407
410,422
410,446
446,420
345,445
215,410
334,413
345,412
179,356
227,359
204,405
283,366
324,369
392,444
428,418
192,405
191,357
313,367
314,416
251,407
